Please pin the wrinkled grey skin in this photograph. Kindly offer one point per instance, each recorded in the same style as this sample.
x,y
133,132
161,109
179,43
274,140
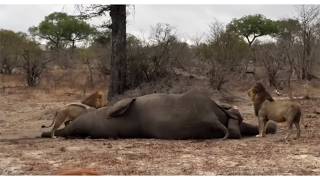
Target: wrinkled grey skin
x,y
192,115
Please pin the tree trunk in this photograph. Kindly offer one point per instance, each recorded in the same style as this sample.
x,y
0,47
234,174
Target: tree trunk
x,y
91,83
118,51
289,83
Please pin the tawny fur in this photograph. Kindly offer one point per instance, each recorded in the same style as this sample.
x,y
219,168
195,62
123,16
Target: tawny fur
x,y
72,111
266,108
96,100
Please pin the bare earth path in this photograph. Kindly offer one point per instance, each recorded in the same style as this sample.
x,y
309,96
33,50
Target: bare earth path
x,y
21,153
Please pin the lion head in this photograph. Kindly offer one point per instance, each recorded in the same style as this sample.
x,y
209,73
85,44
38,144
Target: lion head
x,y
258,94
96,100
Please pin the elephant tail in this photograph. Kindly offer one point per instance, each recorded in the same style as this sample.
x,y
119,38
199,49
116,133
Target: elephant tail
x,y
225,130
222,127
252,130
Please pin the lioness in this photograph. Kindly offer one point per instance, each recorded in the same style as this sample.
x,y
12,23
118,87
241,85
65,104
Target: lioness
x,y
72,111
266,108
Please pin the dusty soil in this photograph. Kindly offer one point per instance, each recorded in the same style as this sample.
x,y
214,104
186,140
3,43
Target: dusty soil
x,y
23,153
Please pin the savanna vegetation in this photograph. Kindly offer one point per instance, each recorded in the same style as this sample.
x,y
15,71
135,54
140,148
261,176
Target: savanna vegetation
x,y
65,57
281,50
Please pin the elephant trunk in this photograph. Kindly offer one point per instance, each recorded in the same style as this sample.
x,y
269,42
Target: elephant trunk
x,y
252,130
46,135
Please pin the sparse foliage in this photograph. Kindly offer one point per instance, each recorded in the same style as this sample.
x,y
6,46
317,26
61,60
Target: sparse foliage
x,y
101,47
272,59
10,50
287,42
160,59
224,51
33,62
309,20
157,59
18,51
87,56
131,61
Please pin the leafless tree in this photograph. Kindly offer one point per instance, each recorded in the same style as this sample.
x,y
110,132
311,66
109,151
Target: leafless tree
x,y
272,60
34,63
308,16
224,51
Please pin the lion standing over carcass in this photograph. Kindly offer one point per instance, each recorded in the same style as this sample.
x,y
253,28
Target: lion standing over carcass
x,y
266,108
72,111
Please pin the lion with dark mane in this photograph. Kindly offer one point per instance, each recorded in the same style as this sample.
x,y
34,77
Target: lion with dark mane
x,y
266,108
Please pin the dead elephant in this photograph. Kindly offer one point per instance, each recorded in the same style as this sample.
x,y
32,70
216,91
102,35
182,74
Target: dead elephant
x,y
192,115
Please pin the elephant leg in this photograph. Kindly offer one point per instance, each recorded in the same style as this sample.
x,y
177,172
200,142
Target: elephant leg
x,y
248,129
234,129
215,126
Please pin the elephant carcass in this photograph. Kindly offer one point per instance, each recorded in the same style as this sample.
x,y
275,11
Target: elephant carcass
x,y
192,115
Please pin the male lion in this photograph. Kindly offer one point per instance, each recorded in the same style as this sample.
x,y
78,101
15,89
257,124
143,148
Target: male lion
x,y
72,111
266,108
96,100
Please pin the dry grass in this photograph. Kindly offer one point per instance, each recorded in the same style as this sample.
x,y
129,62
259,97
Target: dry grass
x,y
22,114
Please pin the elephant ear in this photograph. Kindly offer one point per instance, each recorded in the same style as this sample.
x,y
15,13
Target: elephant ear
x,y
121,107
229,111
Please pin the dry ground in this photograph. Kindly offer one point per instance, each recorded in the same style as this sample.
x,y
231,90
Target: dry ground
x,y
21,153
